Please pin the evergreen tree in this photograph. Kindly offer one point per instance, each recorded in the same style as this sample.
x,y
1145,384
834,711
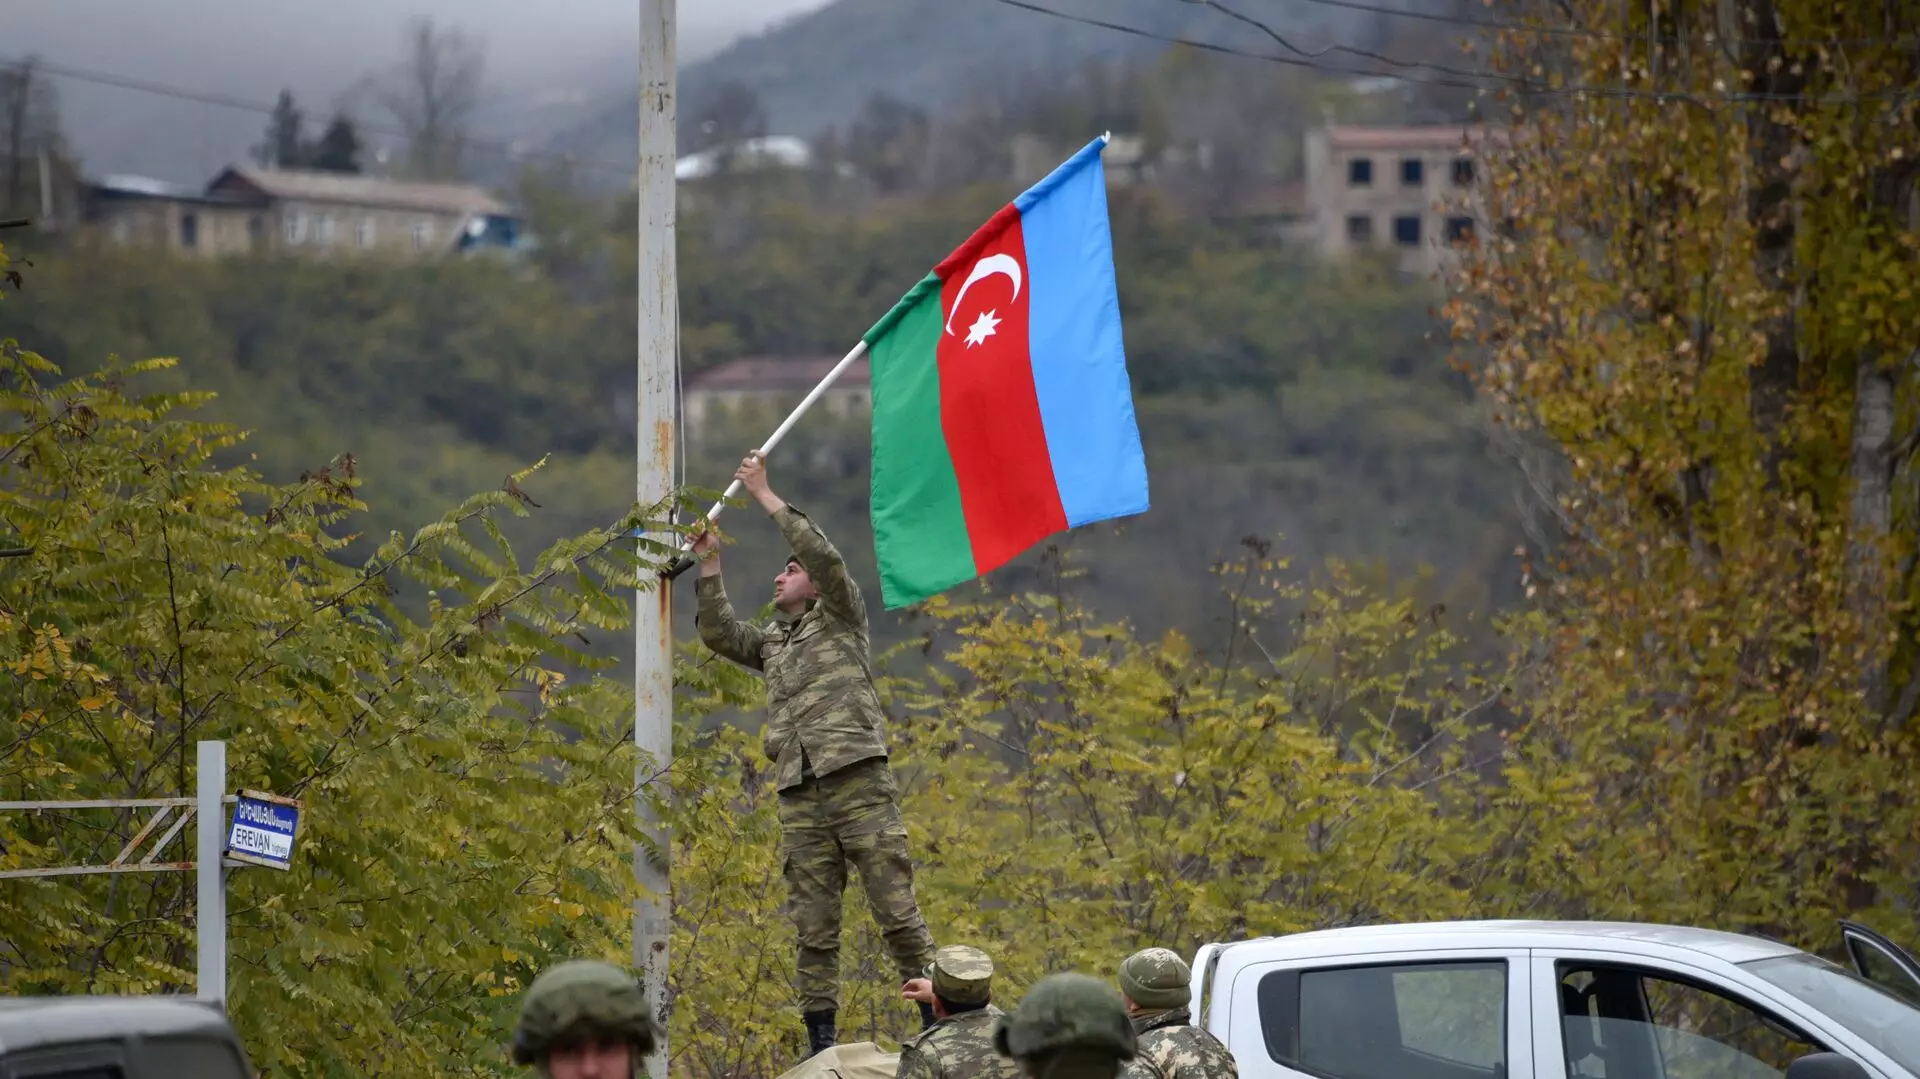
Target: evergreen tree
x,y
339,147
283,148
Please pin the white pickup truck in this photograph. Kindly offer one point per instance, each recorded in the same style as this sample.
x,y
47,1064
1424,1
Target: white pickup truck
x,y
1554,1000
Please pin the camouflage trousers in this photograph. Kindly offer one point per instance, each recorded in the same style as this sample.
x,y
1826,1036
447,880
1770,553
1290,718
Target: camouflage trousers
x,y
851,816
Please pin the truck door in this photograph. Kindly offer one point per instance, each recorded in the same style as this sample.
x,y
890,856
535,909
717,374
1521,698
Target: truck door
x,y
1882,962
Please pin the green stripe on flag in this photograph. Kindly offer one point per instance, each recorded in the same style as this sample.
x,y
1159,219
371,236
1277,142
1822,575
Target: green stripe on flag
x,y
919,528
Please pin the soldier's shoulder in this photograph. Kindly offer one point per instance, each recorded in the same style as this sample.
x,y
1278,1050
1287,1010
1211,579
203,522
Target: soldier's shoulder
x,y
965,1028
915,1060
923,1041
1185,1033
966,1048
1186,1050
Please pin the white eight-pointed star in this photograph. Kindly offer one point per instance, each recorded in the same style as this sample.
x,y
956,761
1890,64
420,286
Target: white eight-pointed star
x,y
981,329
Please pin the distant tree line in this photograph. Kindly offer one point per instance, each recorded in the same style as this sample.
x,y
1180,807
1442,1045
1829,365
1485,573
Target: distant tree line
x,y
287,147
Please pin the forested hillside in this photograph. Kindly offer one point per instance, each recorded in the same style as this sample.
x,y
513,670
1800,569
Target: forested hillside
x,y
842,65
1277,397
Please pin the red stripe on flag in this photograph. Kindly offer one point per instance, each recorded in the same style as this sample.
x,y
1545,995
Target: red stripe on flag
x,y
989,410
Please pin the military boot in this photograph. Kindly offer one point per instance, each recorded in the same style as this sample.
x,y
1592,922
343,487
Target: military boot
x,y
820,1033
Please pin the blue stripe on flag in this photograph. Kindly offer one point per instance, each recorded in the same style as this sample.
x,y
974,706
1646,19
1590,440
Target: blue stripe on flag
x,y
1079,355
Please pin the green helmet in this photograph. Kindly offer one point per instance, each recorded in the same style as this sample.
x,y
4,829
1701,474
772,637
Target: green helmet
x,y
1066,1011
578,1000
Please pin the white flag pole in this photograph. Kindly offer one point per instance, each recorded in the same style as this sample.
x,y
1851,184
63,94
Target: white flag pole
x,y
685,561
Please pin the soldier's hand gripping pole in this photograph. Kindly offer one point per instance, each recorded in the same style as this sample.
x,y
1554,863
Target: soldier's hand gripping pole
x,y
686,560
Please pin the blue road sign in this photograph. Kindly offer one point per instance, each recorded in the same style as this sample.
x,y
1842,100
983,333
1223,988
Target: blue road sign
x,y
263,830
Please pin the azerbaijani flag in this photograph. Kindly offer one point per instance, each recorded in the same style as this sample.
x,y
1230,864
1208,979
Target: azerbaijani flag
x,y
1002,412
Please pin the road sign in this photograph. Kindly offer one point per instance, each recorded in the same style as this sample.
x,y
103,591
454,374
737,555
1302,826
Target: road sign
x,y
264,827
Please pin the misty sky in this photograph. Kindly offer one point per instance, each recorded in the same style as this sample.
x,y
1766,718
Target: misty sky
x,y
266,35
537,53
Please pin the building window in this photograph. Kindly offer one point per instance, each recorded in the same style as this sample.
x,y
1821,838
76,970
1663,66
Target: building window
x,y
323,229
1459,229
1360,172
1359,228
363,232
296,227
189,230
1462,171
121,231
1413,172
422,234
1406,230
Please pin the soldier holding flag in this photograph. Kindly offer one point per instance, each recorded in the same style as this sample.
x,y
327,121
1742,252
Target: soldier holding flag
x,y
826,737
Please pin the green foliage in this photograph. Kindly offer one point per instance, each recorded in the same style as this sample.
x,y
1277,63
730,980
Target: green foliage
x,y
468,812
1074,792
501,359
1699,315
1276,396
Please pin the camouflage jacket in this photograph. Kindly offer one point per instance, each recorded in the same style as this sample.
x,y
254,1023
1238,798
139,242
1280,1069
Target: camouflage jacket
x,y
1170,1047
821,703
957,1047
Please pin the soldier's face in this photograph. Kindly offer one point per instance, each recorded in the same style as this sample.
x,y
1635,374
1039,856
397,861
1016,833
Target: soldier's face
x,y
792,588
591,1060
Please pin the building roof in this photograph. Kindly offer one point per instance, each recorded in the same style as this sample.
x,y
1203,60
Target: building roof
x,y
778,374
360,190
127,183
1423,137
125,186
770,151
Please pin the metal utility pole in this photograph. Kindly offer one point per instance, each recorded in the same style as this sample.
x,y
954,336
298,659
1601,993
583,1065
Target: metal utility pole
x,y
658,340
210,906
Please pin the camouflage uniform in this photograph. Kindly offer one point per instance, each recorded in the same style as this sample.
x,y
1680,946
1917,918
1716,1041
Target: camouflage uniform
x,y
1069,1026
582,1000
826,737
1157,980
959,1046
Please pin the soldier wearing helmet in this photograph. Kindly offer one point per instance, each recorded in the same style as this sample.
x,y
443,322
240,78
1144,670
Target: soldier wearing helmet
x,y
1070,1026
584,1019
959,1045
1157,984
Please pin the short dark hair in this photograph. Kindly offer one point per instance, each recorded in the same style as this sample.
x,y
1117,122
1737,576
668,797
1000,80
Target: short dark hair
x,y
958,1009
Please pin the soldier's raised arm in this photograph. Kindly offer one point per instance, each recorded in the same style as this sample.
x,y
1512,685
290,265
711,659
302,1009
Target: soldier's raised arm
x,y
720,629
810,546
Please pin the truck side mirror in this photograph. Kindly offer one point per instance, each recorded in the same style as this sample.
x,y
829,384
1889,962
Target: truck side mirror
x,y
1826,1066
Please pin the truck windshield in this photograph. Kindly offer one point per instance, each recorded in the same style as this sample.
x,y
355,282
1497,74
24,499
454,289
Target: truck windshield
x,y
1879,1018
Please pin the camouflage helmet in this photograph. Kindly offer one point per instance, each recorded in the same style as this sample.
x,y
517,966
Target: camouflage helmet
x,y
1156,979
1066,1011
961,975
578,1000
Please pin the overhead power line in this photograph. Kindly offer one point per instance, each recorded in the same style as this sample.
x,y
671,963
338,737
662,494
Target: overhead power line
x,y
63,71
1315,54
1521,83
1588,32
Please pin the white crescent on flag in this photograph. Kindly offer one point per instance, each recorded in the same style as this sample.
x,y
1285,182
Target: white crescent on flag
x,y
985,268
